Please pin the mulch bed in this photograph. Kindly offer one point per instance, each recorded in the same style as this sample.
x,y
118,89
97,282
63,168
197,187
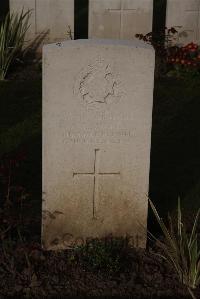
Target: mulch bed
x,y
53,274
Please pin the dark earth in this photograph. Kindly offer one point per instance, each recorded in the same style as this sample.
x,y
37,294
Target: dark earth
x,y
145,275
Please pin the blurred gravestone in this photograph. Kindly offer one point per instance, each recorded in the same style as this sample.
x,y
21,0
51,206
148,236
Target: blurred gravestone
x,y
185,15
120,19
49,21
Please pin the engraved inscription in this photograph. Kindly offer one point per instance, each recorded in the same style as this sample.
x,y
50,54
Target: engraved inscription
x,y
98,83
99,136
100,116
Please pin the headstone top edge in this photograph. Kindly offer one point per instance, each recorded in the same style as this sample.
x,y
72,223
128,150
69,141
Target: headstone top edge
x,y
99,42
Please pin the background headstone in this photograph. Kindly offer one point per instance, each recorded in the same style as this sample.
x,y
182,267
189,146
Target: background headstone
x,y
49,19
186,15
120,19
97,113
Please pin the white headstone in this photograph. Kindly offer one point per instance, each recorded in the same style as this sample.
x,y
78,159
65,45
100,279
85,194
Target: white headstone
x,y
120,19
97,112
49,19
185,15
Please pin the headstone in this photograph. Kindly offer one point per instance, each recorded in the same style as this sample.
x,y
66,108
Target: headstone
x,y
185,15
97,112
49,19
120,19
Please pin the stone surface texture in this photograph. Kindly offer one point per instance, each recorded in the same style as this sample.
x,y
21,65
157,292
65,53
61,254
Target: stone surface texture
x,y
49,19
97,115
185,14
120,19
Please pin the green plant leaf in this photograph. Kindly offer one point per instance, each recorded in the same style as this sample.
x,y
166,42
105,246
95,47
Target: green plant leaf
x,y
12,35
181,248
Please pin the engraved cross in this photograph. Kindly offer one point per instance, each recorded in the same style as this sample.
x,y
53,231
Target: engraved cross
x,y
95,175
121,10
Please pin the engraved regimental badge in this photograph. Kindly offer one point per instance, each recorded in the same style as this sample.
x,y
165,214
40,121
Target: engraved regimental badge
x,y
97,84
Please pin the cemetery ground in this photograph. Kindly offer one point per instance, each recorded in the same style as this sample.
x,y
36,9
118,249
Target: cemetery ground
x,y
107,267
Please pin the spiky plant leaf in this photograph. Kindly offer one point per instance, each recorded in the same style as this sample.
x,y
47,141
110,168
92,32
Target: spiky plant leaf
x,y
180,248
12,35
